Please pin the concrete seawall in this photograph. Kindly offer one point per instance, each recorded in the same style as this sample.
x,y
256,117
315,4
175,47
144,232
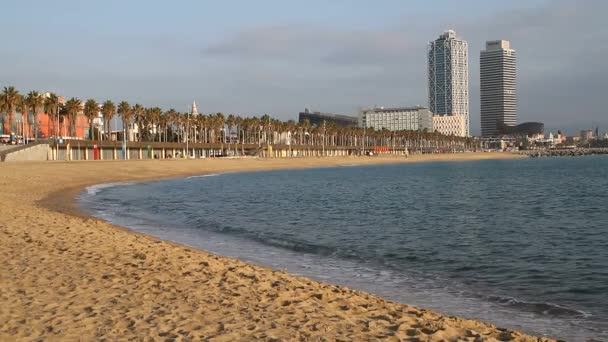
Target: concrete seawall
x,y
37,152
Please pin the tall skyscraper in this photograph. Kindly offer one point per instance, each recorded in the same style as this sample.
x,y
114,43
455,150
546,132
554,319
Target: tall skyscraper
x,y
498,87
448,71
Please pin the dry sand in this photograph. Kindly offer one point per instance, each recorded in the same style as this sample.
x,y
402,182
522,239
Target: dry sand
x,y
65,276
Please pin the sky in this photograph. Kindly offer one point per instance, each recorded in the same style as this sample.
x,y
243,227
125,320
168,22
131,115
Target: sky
x,y
281,56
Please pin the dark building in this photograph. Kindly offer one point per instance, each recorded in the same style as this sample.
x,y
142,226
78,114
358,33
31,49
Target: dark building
x,y
527,128
317,119
498,87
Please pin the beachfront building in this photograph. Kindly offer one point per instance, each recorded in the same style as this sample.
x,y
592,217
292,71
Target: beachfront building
x,y
30,125
448,79
450,125
318,118
498,87
397,119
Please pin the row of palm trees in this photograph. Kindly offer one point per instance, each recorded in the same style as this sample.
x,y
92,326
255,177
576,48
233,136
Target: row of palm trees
x,y
154,124
11,102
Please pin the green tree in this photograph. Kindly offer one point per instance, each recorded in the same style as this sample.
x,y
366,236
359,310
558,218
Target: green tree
x,y
126,114
72,107
23,108
35,101
51,107
108,110
91,110
138,112
8,102
230,120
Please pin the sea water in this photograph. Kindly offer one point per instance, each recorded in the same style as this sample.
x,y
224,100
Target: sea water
x,y
519,243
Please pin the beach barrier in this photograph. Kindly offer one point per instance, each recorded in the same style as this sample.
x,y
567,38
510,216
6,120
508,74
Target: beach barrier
x,y
67,150
87,150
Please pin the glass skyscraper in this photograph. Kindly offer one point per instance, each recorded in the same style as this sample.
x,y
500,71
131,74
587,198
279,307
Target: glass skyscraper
x,y
448,72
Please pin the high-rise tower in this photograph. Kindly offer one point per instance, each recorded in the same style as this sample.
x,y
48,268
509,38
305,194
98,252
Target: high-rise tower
x,y
448,72
498,87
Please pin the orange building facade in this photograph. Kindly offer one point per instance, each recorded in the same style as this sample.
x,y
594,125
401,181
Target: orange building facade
x,y
43,126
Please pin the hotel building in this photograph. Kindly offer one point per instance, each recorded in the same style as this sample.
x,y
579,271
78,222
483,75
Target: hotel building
x,y
448,80
397,119
498,87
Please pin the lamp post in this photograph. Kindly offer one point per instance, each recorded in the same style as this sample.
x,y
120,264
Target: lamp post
x,y
124,141
323,140
187,134
57,130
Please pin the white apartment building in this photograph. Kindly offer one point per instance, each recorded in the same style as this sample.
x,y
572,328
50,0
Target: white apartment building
x,y
450,125
397,119
448,77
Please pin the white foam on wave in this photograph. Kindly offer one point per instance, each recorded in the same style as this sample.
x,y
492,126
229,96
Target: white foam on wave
x,y
204,176
396,286
95,189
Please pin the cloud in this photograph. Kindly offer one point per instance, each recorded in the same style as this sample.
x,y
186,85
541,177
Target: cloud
x,y
332,66
560,46
305,45
560,65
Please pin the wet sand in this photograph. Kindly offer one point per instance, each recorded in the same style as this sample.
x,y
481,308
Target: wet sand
x,y
66,276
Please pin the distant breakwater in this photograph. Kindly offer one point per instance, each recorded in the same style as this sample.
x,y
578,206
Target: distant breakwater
x,y
566,152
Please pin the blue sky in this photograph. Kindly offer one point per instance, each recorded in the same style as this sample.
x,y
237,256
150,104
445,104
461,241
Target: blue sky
x,y
277,57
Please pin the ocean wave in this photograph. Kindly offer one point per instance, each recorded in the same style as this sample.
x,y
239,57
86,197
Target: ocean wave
x,y
548,309
203,176
95,189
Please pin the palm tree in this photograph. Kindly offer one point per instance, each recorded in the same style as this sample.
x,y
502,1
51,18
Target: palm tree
x,y
170,119
219,123
126,114
51,107
239,122
10,99
138,116
154,120
230,123
163,123
72,107
23,108
35,101
91,110
108,110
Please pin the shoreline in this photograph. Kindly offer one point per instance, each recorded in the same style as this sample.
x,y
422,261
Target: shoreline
x,y
271,311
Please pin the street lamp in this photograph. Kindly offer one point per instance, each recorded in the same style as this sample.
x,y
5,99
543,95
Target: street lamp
x,y
323,141
187,134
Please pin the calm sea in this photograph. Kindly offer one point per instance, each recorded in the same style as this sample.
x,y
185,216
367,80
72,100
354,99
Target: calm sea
x,y
520,243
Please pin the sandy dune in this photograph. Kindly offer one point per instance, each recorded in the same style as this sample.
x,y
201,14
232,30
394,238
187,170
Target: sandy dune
x,y
64,276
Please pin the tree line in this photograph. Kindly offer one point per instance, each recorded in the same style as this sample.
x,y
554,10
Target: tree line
x,y
156,124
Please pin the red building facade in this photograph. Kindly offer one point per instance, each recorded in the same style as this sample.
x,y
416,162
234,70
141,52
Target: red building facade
x,y
43,126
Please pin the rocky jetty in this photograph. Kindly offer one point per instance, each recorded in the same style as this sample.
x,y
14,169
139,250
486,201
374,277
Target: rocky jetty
x,y
576,152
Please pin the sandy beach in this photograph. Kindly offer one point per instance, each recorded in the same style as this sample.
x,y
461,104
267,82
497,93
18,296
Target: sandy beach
x,y
66,276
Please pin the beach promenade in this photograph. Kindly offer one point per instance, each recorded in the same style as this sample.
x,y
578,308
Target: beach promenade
x,y
66,276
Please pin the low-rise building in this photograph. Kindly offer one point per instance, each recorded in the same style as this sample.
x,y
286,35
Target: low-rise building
x,y
586,135
318,118
450,125
397,119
